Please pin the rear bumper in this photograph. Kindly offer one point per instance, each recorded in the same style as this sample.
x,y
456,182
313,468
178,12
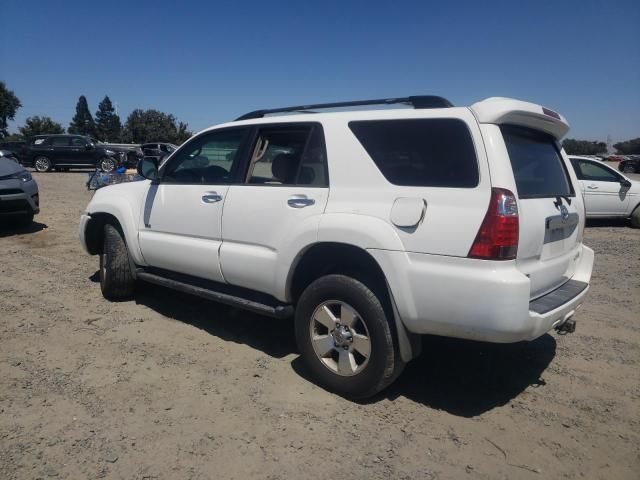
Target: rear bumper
x,y
476,299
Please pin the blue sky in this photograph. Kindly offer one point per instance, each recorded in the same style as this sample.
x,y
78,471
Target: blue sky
x,y
207,62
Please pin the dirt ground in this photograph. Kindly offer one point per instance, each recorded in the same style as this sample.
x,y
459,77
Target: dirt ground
x,y
170,386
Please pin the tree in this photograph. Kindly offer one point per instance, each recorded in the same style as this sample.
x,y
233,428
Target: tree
x,y
9,104
629,147
82,122
144,126
40,125
108,126
583,147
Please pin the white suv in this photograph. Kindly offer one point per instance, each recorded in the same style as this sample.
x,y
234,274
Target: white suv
x,y
370,227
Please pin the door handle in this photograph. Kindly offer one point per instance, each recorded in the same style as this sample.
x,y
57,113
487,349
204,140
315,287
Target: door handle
x,y
300,201
592,187
211,197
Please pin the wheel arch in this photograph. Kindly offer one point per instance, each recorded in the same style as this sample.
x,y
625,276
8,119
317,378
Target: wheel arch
x,y
324,258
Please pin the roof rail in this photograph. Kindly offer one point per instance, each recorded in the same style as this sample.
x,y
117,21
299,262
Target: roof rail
x,y
418,101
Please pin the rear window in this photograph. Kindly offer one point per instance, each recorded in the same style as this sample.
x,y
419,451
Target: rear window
x,y
421,152
537,165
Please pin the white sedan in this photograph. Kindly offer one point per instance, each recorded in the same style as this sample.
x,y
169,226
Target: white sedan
x,y
607,193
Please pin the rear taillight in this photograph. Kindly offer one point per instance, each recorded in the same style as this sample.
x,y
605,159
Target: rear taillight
x,y
497,238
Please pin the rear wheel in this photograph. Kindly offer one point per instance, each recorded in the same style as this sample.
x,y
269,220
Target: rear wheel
x,y
345,338
116,278
42,164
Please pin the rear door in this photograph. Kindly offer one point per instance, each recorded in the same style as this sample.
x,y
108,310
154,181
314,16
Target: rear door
x,y
277,210
550,211
604,195
61,150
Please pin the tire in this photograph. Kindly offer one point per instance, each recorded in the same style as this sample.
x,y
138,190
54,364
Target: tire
x,y
629,169
116,278
42,164
338,358
635,217
107,164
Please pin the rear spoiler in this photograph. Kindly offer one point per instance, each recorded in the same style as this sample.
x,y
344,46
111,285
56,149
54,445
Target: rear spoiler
x,y
500,110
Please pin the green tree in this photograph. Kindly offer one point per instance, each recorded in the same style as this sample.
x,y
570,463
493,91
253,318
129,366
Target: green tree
x,y
40,125
108,126
629,147
153,126
82,122
9,105
583,147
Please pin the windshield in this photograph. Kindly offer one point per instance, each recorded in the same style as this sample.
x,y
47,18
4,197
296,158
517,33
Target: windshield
x,y
537,165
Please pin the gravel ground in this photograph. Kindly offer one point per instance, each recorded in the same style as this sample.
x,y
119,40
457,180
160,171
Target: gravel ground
x,y
169,386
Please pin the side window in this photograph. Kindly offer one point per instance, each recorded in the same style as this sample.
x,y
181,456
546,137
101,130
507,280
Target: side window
x,y
78,142
207,159
290,155
60,141
421,152
597,173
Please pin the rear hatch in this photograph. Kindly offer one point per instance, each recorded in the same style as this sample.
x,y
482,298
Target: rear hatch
x,y
549,210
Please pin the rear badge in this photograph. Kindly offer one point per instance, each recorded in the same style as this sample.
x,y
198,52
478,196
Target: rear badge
x,y
564,211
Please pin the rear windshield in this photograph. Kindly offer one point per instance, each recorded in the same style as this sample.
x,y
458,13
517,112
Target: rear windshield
x,y
537,166
421,152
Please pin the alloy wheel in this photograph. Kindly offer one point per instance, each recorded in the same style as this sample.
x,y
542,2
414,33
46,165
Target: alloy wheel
x,y
340,338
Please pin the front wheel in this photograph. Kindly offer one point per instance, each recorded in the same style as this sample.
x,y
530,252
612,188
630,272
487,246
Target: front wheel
x,y
345,337
635,217
107,165
629,169
42,164
116,278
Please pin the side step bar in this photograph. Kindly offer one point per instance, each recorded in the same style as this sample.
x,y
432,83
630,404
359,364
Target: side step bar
x,y
181,285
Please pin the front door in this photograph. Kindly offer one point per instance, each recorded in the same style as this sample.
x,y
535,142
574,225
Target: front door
x,y
280,203
81,152
181,221
603,193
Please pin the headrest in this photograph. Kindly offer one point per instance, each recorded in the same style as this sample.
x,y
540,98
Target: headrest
x,y
284,167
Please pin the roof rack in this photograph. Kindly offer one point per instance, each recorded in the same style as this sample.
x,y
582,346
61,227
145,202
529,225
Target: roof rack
x,y
418,101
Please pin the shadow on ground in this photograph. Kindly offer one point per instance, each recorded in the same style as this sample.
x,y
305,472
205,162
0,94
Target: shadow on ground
x,y
271,336
8,230
461,377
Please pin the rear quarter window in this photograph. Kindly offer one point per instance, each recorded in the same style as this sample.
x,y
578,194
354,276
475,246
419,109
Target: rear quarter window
x,y
421,152
537,166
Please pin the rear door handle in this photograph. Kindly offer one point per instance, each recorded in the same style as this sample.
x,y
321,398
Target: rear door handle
x,y
211,197
300,201
592,187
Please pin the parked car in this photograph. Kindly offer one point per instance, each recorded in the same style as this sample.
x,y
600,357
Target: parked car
x,y
630,165
158,150
370,227
62,152
19,200
17,148
607,193
132,152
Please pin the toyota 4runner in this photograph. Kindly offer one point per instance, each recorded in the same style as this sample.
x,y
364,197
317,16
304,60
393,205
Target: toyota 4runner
x,y
369,227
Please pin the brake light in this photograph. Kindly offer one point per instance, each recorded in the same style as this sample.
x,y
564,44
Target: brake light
x,y
497,238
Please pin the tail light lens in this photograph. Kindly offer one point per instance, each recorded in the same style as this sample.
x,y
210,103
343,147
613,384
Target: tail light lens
x,y
497,238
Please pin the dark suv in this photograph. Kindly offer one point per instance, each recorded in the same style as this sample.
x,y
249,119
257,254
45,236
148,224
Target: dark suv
x,y
62,152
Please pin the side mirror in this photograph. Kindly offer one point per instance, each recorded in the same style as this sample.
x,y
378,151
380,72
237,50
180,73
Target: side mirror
x,y
625,183
148,168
